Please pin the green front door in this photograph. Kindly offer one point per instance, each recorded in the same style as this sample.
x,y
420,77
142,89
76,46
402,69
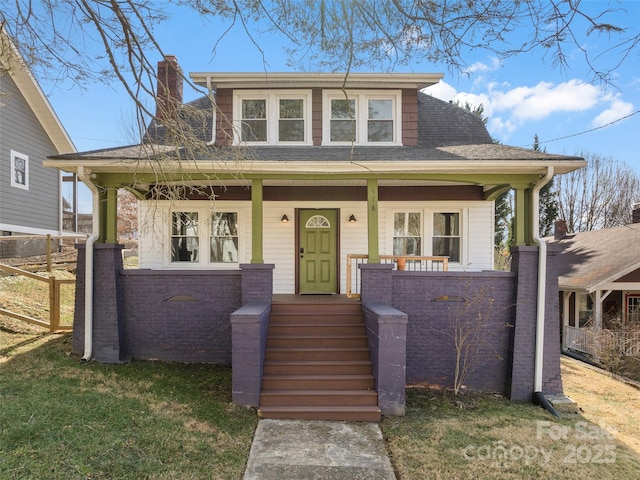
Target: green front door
x,y
318,233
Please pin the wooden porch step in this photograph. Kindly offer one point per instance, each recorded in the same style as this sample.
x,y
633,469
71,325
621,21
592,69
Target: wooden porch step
x,y
321,308
345,413
316,354
316,329
317,341
317,364
334,398
315,317
317,382
327,367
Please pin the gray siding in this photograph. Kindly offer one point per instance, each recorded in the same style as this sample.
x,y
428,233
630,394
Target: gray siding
x,y
39,206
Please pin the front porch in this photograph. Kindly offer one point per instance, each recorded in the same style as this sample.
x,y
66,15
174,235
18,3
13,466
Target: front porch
x,y
223,317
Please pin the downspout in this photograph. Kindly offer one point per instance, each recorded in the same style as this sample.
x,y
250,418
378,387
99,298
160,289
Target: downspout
x,y
88,278
538,397
215,112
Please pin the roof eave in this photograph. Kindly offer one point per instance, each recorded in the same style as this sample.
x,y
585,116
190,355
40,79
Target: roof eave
x,y
307,80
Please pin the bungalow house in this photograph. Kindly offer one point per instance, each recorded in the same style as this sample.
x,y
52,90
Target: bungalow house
x,y
30,131
305,244
599,281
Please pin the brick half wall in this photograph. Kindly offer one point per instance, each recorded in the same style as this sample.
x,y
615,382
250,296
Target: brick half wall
x,y
479,304
180,316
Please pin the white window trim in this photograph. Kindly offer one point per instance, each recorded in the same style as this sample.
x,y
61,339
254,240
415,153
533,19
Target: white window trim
x,y
24,157
361,97
204,236
427,229
272,99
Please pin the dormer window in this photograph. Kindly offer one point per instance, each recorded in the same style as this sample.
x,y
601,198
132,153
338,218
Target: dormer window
x,y
362,117
280,117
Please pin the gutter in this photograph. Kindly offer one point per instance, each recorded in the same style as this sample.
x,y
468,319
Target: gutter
x,y
215,111
542,280
88,279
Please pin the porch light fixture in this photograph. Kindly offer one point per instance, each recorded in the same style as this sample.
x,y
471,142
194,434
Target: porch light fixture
x,y
284,218
352,218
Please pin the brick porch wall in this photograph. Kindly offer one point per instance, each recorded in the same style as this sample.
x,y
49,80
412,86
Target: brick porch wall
x,y
180,316
481,302
504,360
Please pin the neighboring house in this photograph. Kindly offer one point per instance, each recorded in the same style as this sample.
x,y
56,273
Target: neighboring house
x,y
300,174
30,131
599,281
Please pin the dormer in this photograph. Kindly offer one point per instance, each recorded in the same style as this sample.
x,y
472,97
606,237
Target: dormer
x,y
321,109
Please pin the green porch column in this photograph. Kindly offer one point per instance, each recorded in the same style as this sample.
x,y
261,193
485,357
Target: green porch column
x,y
108,208
523,228
372,221
256,221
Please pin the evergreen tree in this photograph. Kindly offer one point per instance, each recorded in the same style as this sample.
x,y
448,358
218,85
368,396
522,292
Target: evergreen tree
x,y
548,201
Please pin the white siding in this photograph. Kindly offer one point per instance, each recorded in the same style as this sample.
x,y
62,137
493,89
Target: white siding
x,y
476,230
279,238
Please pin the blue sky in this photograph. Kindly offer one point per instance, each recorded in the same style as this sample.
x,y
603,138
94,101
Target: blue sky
x,y
522,96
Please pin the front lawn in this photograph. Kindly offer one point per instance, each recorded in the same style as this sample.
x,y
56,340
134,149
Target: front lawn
x,y
480,437
60,419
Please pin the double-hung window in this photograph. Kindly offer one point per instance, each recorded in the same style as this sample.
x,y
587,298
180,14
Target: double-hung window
x,y
224,237
19,170
633,308
362,117
191,230
272,118
185,241
407,233
446,235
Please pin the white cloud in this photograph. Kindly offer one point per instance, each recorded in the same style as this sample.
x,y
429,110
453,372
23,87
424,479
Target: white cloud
x,y
483,67
441,90
617,110
509,108
545,99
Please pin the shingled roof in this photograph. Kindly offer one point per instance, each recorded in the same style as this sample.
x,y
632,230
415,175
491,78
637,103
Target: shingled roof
x,y
447,133
590,260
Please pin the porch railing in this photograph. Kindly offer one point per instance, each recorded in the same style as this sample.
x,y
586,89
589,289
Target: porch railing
x,y
405,263
579,339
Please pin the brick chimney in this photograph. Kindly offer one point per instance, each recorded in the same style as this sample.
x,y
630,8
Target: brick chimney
x,y
169,92
560,229
635,213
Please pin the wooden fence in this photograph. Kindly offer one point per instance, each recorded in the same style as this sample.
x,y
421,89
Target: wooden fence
x,y
54,284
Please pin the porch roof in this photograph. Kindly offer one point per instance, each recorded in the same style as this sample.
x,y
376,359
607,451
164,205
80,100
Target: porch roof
x,y
322,160
589,261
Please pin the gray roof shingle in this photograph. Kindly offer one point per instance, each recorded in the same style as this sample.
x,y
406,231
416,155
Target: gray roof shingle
x,y
589,259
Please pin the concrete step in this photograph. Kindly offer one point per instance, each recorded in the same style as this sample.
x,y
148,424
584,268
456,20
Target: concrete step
x,y
319,398
346,413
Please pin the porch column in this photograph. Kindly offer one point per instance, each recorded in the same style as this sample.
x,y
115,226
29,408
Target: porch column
x,y
108,205
522,220
256,221
372,221
565,316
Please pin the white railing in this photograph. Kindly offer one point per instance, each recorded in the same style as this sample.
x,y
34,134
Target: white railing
x,y
579,339
585,340
403,263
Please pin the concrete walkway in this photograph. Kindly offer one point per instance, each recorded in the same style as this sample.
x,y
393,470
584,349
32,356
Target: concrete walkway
x,y
318,450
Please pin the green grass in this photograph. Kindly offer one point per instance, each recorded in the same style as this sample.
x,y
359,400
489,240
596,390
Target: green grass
x,y
486,436
27,296
61,419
